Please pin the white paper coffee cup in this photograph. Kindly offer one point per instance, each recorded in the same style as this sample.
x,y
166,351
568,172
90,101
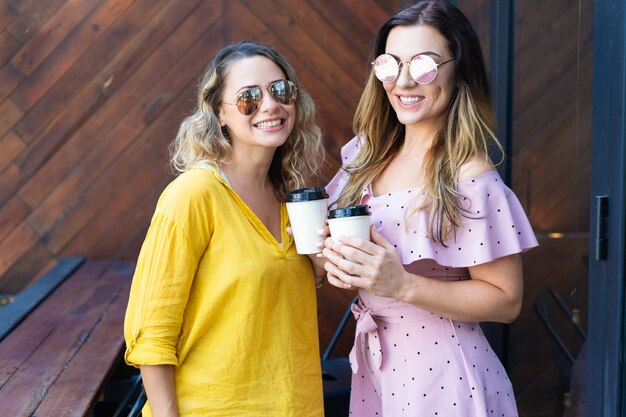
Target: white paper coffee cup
x,y
350,221
307,208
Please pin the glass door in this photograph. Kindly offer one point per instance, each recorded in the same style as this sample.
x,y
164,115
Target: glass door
x,y
551,173
547,72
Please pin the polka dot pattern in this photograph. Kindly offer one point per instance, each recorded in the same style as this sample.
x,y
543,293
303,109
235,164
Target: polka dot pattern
x,y
494,224
493,227
408,361
429,365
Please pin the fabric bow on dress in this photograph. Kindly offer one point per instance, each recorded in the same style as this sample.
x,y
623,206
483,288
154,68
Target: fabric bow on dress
x,y
366,338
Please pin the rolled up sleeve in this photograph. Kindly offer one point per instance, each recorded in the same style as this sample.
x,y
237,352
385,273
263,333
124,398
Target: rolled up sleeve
x,y
165,271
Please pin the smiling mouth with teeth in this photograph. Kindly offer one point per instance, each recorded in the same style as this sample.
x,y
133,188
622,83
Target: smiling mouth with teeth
x,y
270,123
410,100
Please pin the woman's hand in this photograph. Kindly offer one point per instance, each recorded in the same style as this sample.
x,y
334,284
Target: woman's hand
x,y
374,266
494,292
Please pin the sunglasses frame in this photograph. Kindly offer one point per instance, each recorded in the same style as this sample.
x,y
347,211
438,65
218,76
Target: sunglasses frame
x,y
244,105
400,63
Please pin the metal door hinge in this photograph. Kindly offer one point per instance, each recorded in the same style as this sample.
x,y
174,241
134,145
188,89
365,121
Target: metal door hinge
x,y
602,227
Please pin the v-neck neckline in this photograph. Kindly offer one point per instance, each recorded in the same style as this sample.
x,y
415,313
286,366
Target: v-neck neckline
x,y
283,245
258,223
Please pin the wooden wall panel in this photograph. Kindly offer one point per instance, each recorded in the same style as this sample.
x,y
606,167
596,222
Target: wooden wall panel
x,y
92,92
23,19
7,14
10,77
554,70
91,95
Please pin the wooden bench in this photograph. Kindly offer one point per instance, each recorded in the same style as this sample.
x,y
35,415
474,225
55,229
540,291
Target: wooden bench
x,y
62,340
56,359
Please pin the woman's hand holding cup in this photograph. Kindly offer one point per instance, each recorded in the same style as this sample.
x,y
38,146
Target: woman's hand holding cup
x,y
352,223
307,208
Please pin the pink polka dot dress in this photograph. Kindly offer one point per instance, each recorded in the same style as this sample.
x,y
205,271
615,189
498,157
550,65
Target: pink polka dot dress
x,y
410,362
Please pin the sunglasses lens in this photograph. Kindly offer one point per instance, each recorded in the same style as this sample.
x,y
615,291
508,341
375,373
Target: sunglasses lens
x,y
248,101
283,91
386,68
423,69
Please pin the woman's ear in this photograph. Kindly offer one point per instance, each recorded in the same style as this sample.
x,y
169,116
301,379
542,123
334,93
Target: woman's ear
x,y
220,116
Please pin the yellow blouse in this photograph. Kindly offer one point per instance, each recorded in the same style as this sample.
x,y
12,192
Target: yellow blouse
x,y
215,295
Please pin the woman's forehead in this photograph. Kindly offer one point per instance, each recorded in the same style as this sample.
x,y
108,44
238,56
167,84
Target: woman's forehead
x,y
252,71
408,41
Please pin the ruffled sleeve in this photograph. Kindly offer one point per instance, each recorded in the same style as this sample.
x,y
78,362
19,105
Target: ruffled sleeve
x,y
494,226
349,152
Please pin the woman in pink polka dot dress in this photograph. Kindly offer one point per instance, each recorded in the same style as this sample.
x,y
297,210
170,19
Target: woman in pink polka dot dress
x,y
447,234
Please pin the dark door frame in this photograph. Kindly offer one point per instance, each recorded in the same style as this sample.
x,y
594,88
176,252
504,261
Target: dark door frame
x,y
501,42
605,373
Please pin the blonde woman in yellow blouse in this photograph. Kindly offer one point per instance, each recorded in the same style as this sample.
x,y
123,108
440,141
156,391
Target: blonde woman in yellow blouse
x,y
222,313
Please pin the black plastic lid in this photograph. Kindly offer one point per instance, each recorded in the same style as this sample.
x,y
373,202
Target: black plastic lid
x,y
349,212
306,194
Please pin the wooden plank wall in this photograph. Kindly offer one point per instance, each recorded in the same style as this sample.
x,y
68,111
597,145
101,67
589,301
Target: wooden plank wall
x,y
92,92
552,131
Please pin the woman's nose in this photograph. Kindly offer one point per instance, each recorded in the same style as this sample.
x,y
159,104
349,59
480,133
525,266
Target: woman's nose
x,y
268,103
404,77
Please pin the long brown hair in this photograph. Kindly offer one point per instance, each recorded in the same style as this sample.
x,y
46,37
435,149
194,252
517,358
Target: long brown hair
x,y
200,137
469,123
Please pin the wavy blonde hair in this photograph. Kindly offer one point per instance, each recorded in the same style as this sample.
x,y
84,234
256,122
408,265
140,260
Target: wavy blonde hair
x,y
201,139
468,128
